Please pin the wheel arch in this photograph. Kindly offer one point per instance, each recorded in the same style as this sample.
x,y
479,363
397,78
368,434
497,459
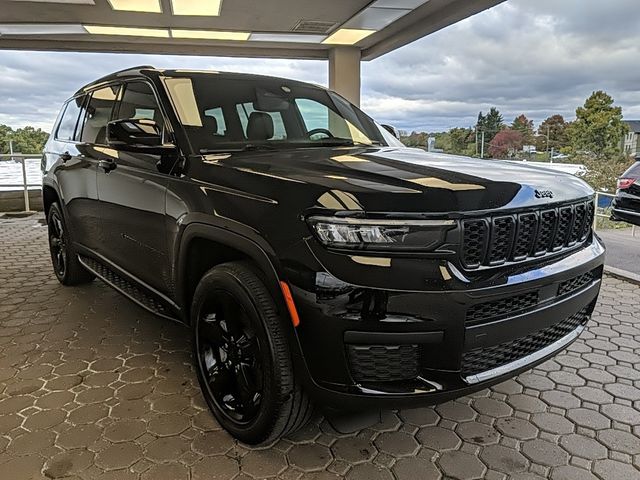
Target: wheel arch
x,y
202,247
49,196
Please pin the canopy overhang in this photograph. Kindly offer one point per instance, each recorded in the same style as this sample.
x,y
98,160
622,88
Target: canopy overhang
x,y
300,29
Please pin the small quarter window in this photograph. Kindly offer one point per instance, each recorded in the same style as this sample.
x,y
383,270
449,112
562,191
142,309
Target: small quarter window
x,y
67,127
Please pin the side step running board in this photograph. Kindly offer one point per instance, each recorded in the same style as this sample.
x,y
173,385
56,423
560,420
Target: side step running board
x,y
128,288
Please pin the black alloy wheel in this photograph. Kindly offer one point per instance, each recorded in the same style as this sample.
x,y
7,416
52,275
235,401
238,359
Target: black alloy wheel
x,y
66,266
229,355
242,355
57,244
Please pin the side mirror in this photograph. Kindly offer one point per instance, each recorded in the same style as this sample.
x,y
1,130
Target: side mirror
x,y
392,130
136,134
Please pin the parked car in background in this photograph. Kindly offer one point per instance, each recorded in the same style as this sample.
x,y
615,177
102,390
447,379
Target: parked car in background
x,y
626,205
314,257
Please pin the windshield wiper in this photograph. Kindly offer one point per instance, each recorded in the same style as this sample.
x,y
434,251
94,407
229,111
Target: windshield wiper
x,y
240,148
347,142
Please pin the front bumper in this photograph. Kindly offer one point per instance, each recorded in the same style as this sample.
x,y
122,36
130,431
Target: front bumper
x,y
370,347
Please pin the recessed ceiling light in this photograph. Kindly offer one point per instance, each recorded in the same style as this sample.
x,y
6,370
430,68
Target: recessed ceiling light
x,y
209,34
287,37
130,31
40,29
347,36
149,6
196,7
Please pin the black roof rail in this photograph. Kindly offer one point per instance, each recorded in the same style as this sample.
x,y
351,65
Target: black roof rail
x,y
114,75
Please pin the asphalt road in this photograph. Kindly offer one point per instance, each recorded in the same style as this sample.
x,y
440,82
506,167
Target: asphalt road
x,y
623,249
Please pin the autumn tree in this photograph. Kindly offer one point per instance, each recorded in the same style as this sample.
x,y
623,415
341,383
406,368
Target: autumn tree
x,y
525,126
598,128
506,143
555,128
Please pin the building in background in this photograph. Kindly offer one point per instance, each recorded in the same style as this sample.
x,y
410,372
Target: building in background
x,y
631,141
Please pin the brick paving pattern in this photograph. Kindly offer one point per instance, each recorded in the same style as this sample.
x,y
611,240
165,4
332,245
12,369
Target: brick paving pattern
x,y
93,387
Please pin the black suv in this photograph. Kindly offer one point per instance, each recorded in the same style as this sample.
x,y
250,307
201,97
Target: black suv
x,y
311,254
626,205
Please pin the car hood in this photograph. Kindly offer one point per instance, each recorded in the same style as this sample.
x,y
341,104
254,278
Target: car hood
x,y
392,179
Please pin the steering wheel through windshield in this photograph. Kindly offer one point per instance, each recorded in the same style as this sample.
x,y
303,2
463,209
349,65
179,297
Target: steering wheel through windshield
x,y
319,131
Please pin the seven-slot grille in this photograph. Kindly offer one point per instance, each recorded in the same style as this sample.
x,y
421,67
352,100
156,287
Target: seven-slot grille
x,y
495,240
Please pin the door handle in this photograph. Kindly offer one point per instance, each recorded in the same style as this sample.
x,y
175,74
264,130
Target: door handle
x,y
65,156
107,165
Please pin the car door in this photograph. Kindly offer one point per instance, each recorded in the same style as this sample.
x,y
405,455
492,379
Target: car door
x,y
75,174
132,189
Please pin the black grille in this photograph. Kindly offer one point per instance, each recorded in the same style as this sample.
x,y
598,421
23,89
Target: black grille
x,y
575,283
499,308
483,359
383,363
495,240
475,242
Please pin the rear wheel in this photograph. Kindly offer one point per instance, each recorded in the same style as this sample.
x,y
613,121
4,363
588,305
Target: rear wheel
x,y
64,258
242,357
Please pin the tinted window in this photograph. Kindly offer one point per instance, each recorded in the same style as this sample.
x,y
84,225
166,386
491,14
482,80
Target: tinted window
x,y
138,101
98,114
67,126
244,112
288,111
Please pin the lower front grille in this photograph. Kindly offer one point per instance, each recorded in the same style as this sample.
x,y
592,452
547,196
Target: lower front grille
x,y
383,363
502,307
576,283
484,359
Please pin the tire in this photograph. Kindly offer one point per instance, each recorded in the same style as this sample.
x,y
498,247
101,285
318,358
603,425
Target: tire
x,y
66,266
242,357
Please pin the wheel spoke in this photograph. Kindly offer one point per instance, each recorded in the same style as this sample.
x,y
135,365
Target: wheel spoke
x,y
230,357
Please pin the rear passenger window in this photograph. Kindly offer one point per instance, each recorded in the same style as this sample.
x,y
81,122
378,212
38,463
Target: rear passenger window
x,y
138,101
69,120
98,114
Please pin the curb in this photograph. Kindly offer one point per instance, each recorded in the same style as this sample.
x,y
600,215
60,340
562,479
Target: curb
x,y
622,274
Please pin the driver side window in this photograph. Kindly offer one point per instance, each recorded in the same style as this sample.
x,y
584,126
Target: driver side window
x,y
139,101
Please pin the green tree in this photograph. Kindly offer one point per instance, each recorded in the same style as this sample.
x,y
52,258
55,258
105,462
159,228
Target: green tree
x,y
602,175
598,128
525,126
5,135
556,129
29,140
490,124
459,140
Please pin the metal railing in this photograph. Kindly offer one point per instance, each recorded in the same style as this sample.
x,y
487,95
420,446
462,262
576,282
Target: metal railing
x,y
601,213
25,185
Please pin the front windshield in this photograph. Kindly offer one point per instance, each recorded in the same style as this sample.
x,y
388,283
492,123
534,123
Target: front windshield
x,y
249,113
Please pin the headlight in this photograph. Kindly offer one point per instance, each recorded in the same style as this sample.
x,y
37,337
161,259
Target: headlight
x,y
380,234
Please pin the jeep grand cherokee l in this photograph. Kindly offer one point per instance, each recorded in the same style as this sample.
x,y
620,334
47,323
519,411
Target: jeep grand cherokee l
x,y
312,255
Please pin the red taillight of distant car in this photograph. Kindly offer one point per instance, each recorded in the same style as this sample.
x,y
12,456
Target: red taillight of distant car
x,y
625,183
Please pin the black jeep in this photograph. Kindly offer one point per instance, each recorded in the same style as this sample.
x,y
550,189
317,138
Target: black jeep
x,y
312,255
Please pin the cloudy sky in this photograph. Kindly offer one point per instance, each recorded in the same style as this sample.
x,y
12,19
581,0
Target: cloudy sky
x,y
537,57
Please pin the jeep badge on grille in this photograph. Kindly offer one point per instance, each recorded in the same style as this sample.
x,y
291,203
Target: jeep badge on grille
x,y
544,194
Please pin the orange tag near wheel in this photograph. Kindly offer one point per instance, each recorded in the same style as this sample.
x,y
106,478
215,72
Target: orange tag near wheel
x,y
295,319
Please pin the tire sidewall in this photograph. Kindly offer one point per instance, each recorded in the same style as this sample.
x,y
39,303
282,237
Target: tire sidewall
x,y
56,210
258,429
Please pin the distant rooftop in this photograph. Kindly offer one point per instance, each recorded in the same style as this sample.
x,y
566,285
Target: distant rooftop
x,y
634,125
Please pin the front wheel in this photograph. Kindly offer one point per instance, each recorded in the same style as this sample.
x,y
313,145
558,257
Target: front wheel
x,y
242,357
66,266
